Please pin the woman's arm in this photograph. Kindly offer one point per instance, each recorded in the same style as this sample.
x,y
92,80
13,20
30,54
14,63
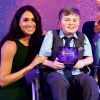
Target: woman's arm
x,y
8,52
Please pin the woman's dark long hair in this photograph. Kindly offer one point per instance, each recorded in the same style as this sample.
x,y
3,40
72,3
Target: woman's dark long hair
x,y
16,33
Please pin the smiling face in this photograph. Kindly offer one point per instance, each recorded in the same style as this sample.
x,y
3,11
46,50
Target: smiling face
x,y
27,23
69,24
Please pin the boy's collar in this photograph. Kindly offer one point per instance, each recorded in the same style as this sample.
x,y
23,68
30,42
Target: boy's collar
x,y
61,34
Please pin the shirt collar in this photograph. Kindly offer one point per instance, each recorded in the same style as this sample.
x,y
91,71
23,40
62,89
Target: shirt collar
x,y
61,34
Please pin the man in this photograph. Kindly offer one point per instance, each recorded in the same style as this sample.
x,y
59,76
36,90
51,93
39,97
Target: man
x,y
59,84
92,30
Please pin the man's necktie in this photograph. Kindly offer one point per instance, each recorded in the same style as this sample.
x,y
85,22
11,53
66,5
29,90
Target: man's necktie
x,y
67,71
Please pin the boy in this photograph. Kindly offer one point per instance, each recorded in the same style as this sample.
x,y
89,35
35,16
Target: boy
x,y
59,84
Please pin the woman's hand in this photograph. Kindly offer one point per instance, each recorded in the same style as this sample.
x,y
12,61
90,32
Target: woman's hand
x,y
37,60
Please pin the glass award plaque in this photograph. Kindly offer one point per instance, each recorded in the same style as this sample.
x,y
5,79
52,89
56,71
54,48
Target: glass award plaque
x,y
68,56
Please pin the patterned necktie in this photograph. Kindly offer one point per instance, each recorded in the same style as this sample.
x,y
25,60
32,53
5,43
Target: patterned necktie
x,y
67,71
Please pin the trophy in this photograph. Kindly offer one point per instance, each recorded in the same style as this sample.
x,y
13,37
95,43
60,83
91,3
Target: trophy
x,y
68,56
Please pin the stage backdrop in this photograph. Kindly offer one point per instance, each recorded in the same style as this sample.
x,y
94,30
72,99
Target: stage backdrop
x,y
48,10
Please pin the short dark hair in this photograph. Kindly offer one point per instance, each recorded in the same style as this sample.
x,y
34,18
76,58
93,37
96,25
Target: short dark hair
x,y
68,11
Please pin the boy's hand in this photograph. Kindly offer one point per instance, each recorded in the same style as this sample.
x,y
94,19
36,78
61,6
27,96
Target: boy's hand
x,y
58,65
80,64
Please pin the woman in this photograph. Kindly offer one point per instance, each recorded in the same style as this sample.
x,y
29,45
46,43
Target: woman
x,y
17,54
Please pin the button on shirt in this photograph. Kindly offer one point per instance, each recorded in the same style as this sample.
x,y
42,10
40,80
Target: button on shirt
x,y
46,48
